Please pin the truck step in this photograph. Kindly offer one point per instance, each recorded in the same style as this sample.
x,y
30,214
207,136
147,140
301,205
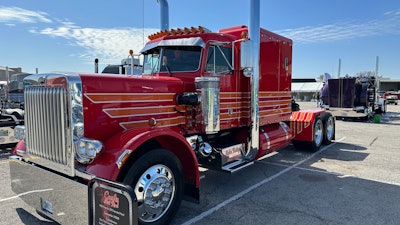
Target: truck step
x,y
236,165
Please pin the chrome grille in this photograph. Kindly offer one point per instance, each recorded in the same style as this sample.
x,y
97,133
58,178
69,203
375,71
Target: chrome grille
x,y
46,124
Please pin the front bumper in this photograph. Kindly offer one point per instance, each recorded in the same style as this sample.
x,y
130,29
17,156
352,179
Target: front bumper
x,y
55,196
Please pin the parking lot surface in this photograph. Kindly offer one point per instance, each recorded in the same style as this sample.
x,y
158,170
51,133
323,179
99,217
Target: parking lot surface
x,y
355,180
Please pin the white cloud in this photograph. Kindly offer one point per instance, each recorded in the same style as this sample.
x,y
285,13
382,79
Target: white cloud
x,y
105,44
16,14
112,44
390,24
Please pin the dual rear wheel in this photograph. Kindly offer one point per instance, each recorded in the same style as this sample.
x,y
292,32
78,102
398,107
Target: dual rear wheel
x,y
329,128
323,133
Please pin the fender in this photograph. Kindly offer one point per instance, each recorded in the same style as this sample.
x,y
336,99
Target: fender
x,y
302,124
105,165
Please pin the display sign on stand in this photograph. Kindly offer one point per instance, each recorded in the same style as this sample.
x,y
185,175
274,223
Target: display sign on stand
x,y
111,203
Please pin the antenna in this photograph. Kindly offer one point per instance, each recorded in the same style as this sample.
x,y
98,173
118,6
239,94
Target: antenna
x,y
340,67
143,20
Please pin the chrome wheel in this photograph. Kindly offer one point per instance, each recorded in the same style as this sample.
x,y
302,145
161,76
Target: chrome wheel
x,y
330,128
154,191
318,132
157,180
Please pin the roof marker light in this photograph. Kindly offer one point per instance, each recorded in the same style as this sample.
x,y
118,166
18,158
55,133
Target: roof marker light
x,y
179,31
245,35
201,29
186,30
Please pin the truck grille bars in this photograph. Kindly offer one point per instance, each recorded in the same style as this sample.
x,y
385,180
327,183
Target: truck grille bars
x,y
47,127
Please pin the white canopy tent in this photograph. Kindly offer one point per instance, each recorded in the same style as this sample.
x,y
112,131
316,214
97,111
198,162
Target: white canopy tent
x,y
306,91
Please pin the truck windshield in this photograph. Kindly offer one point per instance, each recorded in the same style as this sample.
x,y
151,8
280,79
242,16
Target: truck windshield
x,y
151,63
172,59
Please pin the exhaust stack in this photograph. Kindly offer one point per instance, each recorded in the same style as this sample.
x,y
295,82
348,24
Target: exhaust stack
x,y
254,35
96,65
164,14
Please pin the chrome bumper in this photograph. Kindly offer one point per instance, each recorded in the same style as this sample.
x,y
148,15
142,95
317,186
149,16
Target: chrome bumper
x,y
57,197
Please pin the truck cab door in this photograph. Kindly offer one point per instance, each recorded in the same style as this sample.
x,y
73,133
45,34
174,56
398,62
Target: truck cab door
x,y
219,64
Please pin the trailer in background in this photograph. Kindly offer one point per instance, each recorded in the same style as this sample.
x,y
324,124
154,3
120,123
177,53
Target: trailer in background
x,y
352,97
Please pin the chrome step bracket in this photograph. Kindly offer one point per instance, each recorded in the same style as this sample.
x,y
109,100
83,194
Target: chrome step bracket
x,y
236,165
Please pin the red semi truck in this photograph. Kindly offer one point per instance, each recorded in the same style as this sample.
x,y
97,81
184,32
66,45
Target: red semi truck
x,y
203,99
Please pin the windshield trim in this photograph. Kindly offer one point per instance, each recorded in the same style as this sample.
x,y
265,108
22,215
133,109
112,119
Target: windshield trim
x,y
192,41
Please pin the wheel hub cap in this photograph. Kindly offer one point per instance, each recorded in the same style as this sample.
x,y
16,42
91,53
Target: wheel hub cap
x,y
329,128
154,192
318,133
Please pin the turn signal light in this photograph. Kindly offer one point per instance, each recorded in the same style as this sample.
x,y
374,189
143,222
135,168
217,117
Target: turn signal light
x,y
244,35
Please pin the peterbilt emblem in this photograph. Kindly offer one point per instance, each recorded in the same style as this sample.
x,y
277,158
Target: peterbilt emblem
x,y
152,122
42,80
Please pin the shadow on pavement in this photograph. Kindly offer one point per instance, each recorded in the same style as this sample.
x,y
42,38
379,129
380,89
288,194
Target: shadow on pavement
x,y
28,218
6,150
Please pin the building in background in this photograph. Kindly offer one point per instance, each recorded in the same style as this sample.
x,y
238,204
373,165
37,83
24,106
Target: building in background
x,y
306,89
11,71
387,84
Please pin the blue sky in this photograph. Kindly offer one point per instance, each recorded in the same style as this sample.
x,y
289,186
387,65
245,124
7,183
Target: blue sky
x,y
58,35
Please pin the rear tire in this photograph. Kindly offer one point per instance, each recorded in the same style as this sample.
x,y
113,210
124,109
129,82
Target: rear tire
x,y
157,180
318,134
329,128
317,138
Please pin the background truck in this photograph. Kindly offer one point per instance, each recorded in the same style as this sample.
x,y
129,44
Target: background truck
x,y
217,99
359,94
128,66
392,97
11,107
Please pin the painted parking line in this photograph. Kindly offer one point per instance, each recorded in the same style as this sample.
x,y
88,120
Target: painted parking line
x,y
306,169
242,193
25,193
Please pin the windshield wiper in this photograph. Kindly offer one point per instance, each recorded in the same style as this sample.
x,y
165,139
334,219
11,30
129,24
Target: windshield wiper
x,y
165,63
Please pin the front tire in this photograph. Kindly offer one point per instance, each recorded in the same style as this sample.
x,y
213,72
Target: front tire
x,y
157,180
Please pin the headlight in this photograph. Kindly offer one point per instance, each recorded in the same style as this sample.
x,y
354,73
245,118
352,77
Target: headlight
x,y
19,132
87,150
